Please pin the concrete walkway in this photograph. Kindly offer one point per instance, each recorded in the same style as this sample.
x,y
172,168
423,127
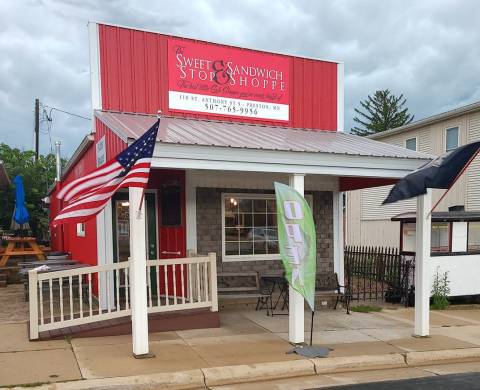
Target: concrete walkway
x,y
245,337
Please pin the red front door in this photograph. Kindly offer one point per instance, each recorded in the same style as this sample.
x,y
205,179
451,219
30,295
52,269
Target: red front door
x,y
171,227
171,214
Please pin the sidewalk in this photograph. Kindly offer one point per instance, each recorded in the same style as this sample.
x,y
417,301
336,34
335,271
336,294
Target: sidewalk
x,y
245,338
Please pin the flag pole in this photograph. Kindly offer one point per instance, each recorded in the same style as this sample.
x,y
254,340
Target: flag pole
x,y
159,113
454,181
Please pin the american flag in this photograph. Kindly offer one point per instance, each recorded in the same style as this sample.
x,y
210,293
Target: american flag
x,y
88,195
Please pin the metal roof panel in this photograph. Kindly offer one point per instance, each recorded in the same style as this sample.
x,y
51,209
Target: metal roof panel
x,y
187,131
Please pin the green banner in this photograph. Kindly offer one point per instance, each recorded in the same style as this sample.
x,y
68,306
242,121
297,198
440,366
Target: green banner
x,y
297,241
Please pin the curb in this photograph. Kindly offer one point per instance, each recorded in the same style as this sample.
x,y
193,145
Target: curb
x,y
442,356
358,363
227,375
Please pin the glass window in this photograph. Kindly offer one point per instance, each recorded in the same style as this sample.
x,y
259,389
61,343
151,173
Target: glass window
x,y
171,203
440,240
250,225
451,139
411,144
474,236
81,229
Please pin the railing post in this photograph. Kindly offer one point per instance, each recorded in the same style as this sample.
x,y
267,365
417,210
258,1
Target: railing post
x,y
33,303
213,280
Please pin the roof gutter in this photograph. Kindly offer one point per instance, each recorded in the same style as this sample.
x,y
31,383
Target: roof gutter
x,y
428,121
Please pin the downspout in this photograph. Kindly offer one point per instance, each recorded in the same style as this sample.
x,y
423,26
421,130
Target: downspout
x,y
58,176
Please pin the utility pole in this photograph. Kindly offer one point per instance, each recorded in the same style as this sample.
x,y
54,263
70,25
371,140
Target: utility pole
x,y
37,128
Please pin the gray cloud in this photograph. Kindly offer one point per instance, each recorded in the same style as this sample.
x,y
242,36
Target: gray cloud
x,y
427,50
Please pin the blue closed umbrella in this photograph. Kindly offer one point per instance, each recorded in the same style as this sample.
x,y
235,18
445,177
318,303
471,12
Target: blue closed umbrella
x,y
20,215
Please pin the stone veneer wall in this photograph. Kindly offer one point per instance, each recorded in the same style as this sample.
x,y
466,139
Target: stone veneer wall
x,y
209,230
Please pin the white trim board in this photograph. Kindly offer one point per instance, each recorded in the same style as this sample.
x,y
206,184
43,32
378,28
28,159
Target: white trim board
x,y
211,158
95,71
340,98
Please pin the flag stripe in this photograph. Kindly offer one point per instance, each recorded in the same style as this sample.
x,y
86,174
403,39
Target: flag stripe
x,y
87,196
112,165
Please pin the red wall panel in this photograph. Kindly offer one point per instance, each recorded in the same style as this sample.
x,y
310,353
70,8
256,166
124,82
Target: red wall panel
x,y
83,249
134,78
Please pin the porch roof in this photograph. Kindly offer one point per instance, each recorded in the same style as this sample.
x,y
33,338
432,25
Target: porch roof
x,y
187,131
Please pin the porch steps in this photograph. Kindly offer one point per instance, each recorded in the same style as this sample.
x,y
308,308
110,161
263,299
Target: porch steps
x,y
158,322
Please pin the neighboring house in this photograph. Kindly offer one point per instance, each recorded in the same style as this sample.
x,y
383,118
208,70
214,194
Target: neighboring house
x,y
368,222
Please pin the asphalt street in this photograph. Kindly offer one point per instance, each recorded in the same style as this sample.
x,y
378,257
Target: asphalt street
x,y
469,381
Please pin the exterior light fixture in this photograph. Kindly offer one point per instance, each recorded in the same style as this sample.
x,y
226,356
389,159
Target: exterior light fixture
x,y
126,204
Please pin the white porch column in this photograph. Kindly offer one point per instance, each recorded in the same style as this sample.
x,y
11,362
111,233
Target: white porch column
x,y
422,266
105,256
338,239
138,274
191,212
296,314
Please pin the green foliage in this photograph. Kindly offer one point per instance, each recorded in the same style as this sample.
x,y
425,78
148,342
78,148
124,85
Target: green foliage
x,y
380,112
440,291
37,177
365,309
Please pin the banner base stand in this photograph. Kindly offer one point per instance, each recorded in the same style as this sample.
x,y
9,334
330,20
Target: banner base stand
x,y
310,351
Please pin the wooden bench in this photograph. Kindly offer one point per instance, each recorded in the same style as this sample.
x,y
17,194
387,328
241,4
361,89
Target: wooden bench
x,y
327,284
240,285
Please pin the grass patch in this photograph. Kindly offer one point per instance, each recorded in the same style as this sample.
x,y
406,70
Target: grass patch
x,y
365,309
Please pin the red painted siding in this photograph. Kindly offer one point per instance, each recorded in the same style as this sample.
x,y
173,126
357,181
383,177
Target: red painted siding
x,y
83,249
134,78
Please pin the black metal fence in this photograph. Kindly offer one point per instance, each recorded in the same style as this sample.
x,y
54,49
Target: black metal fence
x,y
376,273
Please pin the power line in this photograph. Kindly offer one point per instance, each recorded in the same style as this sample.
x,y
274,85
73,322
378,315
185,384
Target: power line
x,y
49,117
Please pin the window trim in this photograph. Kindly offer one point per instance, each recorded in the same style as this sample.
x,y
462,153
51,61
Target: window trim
x,y
416,143
450,231
252,195
458,137
468,251
81,229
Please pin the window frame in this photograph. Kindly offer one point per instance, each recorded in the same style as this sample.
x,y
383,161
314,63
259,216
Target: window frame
x,y
252,195
450,231
81,229
446,136
416,143
468,239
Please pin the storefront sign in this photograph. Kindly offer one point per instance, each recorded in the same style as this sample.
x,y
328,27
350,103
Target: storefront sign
x,y
227,81
101,152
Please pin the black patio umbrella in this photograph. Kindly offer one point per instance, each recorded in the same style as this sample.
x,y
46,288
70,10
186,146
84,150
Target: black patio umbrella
x,y
442,172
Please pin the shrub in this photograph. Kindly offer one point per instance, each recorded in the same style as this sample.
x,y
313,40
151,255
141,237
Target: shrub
x,y
440,291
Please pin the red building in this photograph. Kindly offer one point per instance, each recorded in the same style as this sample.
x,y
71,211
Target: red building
x,y
234,121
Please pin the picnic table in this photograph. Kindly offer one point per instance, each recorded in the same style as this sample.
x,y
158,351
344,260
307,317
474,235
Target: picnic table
x,y
21,246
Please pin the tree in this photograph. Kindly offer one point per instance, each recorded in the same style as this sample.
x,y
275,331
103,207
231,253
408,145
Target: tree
x,y
37,177
381,112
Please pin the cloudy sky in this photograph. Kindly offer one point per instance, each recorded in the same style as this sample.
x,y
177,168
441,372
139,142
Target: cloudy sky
x,y
428,50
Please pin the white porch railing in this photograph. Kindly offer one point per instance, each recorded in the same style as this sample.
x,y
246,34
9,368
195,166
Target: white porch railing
x,y
179,284
80,296
60,299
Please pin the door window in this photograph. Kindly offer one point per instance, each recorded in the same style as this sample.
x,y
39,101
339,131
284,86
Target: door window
x,y
171,203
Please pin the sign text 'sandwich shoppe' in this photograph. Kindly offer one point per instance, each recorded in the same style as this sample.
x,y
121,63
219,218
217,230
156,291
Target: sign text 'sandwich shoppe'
x,y
219,80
